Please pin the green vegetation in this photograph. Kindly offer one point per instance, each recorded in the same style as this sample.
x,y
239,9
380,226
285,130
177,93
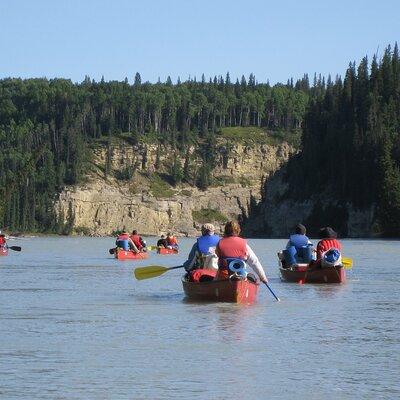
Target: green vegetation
x,y
350,136
351,146
159,188
208,214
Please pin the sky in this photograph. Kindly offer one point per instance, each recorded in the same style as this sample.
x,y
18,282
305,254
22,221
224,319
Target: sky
x,y
275,40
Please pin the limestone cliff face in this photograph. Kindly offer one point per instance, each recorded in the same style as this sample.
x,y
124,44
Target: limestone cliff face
x,y
104,204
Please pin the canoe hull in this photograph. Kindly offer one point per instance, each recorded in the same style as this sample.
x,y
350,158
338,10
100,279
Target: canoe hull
x,y
164,251
130,255
241,291
314,275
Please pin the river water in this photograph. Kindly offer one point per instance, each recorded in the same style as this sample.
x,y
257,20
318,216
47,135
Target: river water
x,y
74,324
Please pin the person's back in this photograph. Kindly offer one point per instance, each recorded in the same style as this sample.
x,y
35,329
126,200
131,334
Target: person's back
x,y
298,248
234,252
123,241
137,240
172,242
162,242
3,241
328,241
202,255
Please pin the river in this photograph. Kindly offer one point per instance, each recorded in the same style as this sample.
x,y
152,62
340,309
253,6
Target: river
x,y
74,324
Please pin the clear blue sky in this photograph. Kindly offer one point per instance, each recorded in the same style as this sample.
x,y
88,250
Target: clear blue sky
x,y
275,40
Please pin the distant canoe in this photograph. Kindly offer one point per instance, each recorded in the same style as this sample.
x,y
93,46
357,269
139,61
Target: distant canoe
x,y
232,291
3,251
301,273
129,255
163,250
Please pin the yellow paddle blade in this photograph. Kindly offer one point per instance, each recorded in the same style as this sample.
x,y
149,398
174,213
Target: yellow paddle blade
x,y
347,262
149,272
151,248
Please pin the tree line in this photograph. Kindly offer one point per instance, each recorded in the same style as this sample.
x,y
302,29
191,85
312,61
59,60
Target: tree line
x,y
47,127
351,144
350,150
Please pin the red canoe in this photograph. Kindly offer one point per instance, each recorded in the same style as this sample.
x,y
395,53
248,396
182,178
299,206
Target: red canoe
x,y
301,273
163,250
3,251
232,291
130,255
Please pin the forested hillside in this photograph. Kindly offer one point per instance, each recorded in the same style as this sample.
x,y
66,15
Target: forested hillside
x,y
351,145
47,128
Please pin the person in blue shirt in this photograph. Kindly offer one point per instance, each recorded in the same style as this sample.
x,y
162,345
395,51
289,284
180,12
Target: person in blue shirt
x,y
202,255
299,247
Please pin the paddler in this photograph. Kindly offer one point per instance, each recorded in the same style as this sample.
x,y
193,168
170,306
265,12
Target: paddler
x,y
3,242
162,242
125,242
299,247
172,242
233,251
202,255
138,241
328,243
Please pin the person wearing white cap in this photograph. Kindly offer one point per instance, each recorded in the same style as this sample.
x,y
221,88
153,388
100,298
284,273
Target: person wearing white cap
x,y
202,255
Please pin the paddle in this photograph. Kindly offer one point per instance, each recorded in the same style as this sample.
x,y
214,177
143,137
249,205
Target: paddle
x,y
152,271
152,247
112,251
269,288
347,263
15,248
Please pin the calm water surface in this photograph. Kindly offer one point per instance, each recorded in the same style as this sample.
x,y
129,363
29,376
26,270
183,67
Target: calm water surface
x,y
74,324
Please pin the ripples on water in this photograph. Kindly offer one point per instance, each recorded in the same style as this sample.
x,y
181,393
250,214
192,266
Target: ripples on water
x,y
74,324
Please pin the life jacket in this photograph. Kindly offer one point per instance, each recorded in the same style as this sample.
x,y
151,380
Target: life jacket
x,y
298,240
2,240
205,242
123,236
229,248
326,244
171,240
205,252
136,239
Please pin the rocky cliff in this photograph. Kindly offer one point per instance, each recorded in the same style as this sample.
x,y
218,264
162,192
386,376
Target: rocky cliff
x,y
126,188
278,213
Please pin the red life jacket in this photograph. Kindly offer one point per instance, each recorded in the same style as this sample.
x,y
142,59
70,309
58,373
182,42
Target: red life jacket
x,y
123,236
2,240
136,240
326,244
231,247
171,240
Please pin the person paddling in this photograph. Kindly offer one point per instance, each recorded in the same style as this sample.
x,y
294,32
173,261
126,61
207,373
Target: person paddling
x,y
299,247
233,250
162,242
172,242
328,242
202,255
125,242
138,241
3,241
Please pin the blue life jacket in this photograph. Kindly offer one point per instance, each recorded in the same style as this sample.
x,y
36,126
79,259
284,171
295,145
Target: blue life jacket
x,y
298,240
205,242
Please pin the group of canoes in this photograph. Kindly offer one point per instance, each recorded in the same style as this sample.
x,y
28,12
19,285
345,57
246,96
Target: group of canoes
x,y
134,247
216,267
